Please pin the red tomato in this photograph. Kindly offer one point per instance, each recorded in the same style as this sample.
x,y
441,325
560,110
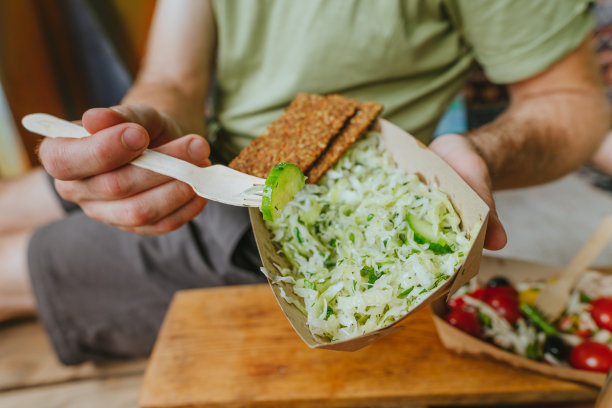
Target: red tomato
x,y
456,303
592,356
484,293
507,306
463,320
601,311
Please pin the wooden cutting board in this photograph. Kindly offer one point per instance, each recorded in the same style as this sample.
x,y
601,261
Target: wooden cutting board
x,y
233,347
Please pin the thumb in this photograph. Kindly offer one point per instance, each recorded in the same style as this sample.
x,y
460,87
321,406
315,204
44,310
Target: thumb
x,y
459,153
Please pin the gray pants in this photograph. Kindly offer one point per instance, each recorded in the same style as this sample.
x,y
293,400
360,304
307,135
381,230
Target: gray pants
x,y
102,292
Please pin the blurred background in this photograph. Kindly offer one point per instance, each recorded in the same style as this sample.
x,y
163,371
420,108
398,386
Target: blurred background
x,y
63,57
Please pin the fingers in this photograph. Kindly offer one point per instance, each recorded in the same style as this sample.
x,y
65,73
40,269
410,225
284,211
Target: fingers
x,y
139,200
174,220
130,180
459,153
142,209
106,150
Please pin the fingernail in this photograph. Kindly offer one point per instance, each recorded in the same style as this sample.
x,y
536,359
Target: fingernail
x,y
198,150
117,109
133,139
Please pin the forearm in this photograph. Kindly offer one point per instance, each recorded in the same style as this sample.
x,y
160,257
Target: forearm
x,y
176,70
184,107
542,137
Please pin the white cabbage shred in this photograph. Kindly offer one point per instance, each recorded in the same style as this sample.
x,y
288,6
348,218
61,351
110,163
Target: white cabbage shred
x,y
356,265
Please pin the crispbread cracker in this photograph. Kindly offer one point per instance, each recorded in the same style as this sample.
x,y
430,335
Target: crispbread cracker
x,y
299,136
366,114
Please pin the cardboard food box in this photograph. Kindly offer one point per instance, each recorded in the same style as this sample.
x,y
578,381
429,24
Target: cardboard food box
x,y
414,157
463,343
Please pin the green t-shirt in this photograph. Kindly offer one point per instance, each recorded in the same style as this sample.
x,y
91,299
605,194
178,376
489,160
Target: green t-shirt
x,y
412,56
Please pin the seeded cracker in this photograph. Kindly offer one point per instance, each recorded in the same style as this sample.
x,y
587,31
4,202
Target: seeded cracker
x,y
299,136
366,113
255,159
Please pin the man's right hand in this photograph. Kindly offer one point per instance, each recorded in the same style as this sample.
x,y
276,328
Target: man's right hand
x,y
93,171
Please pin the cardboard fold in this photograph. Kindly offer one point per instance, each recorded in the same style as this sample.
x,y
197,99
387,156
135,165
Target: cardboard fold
x,y
463,343
413,157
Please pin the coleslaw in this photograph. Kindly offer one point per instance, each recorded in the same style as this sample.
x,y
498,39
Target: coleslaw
x,y
355,264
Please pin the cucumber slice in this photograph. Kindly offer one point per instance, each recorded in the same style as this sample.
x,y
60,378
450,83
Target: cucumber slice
x,y
282,184
424,234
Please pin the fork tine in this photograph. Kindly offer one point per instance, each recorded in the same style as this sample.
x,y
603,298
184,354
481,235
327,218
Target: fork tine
x,y
252,202
257,190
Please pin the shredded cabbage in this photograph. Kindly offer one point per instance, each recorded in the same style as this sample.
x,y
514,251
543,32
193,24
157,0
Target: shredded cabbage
x,y
356,265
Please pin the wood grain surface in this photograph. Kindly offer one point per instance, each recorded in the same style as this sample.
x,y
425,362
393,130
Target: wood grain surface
x,y
28,360
233,347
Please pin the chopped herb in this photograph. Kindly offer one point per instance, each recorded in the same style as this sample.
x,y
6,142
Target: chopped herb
x,y
310,285
297,235
423,291
405,293
352,237
329,264
371,274
370,216
361,319
440,279
484,319
584,298
332,242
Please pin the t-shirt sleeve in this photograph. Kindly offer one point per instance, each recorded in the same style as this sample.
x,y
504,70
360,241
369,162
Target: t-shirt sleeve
x,y
516,39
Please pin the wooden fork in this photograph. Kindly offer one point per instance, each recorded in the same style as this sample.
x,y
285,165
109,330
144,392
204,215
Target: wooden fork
x,y
217,183
553,297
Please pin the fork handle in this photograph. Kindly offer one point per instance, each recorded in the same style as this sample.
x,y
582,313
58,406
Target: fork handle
x,y
51,126
589,251
164,164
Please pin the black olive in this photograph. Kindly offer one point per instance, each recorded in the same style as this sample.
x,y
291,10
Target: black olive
x,y
557,347
498,281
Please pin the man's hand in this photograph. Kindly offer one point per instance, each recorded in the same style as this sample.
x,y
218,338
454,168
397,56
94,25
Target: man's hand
x,y
460,154
94,171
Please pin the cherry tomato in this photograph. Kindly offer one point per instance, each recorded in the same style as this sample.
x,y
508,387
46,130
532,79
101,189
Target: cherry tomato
x,y
601,311
456,303
464,320
484,293
506,306
592,356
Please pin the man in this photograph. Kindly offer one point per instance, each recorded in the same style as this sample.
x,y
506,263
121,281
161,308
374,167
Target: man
x,y
101,288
